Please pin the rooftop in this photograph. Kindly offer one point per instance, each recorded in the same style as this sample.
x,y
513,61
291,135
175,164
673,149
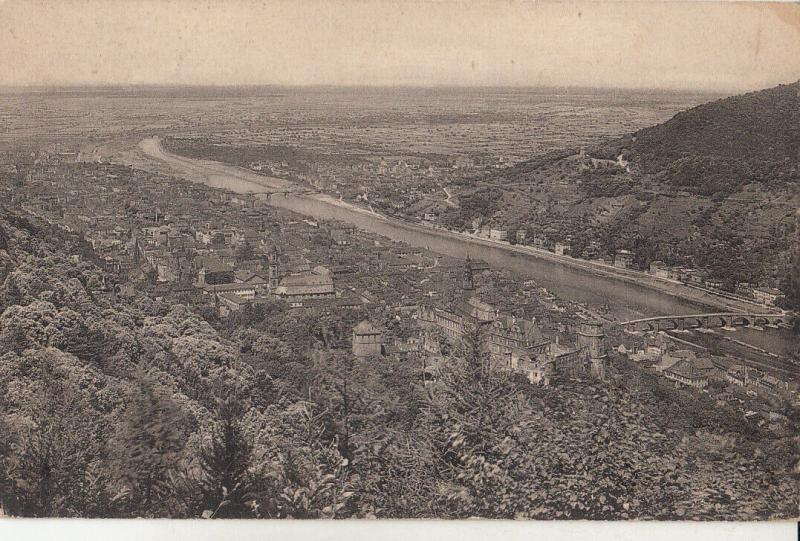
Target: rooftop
x,y
365,328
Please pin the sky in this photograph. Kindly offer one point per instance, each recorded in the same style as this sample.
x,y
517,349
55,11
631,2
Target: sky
x,y
708,46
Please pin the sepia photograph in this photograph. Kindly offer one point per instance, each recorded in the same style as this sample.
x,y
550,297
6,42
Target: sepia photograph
x,y
429,259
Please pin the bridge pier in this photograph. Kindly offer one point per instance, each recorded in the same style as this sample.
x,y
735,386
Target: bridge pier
x,y
707,321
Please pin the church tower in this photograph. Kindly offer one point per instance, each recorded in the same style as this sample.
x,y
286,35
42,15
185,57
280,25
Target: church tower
x,y
274,269
468,283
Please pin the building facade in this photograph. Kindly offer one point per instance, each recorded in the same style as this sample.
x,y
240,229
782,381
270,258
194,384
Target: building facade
x,y
367,340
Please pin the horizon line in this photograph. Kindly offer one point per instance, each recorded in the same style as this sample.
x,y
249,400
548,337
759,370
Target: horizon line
x,y
381,86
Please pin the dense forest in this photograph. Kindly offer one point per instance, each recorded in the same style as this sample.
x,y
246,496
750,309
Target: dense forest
x,y
720,146
130,407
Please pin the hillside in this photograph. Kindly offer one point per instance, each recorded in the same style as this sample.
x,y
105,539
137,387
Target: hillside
x,y
714,188
720,146
122,406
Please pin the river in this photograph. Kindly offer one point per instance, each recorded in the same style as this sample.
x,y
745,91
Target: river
x,y
625,299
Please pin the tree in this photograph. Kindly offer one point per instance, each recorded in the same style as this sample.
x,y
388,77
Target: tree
x,y
299,473
46,461
11,293
226,481
147,448
476,420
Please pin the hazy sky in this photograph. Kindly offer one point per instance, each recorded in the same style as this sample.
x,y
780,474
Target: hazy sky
x,y
714,46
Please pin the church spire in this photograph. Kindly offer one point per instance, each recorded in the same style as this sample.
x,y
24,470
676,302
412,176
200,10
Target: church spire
x,y
468,283
274,268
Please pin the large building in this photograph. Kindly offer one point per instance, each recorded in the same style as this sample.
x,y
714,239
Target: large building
x,y
519,344
314,284
623,259
367,340
516,343
767,295
212,271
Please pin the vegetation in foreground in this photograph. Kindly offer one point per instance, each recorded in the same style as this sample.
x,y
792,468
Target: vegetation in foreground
x,y
133,408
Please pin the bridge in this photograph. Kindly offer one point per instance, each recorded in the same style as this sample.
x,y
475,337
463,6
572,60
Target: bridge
x,y
703,321
293,191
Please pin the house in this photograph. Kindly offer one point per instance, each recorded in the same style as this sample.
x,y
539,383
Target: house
x,y
623,259
744,289
700,365
402,349
340,237
230,302
767,295
251,278
737,375
562,248
684,372
367,340
498,234
246,291
394,263
659,269
771,383
479,265
666,363
697,278
348,302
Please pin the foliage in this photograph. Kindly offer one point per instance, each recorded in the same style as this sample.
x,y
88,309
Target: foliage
x,y
226,482
147,446
133,408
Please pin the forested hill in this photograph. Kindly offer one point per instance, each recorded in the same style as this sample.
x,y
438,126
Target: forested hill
x,y
723,145
676,193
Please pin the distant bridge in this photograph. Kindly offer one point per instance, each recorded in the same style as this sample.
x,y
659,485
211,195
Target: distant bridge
x,y
293,191
703,321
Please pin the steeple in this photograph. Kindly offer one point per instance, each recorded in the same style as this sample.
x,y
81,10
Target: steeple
x,y
274,268
468,283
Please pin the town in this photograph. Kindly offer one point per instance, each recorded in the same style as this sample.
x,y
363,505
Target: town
x,y
427,192
227,255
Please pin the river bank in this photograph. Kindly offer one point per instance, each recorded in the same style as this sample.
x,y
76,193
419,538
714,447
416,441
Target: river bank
x,y
280,192
696,295
622,294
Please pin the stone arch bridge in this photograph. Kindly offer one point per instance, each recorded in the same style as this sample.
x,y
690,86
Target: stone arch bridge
x,y
703,321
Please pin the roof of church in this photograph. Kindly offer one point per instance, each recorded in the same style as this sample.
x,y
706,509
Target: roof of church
x,y
307,279
212,264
